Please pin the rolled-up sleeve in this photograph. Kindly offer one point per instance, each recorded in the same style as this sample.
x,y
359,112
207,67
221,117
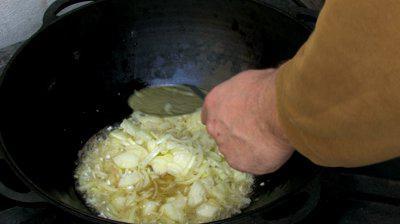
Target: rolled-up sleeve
x,y
339,97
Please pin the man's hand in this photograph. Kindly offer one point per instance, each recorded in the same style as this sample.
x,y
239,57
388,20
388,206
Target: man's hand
x,y
241,116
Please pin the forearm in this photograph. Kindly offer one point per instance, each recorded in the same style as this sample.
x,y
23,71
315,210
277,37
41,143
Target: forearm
x,y
338,99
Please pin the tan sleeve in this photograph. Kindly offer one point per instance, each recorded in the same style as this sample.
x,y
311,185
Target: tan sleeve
x,y
339,97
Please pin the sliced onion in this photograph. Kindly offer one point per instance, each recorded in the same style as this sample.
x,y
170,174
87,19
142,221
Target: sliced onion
x,y
161,170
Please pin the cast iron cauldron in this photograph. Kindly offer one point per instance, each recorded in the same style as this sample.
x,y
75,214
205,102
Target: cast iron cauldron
x,y
73,77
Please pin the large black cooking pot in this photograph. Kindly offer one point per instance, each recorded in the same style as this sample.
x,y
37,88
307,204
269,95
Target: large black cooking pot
x,y
73,77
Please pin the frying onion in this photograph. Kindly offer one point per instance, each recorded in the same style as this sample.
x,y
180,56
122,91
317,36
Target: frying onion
x,y
160,170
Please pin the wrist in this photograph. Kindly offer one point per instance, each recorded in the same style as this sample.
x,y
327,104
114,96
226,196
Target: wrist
x,y
267,104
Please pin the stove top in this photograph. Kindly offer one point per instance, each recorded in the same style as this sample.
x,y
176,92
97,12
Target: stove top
x,y
362,195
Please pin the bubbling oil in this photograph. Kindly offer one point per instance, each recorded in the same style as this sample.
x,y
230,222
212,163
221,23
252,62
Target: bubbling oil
x,y
159,170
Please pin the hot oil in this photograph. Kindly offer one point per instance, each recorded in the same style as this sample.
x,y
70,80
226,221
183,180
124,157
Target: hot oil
x,y
160,189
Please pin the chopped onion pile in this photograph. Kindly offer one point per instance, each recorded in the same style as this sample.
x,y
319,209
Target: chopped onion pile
x,y
161,170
